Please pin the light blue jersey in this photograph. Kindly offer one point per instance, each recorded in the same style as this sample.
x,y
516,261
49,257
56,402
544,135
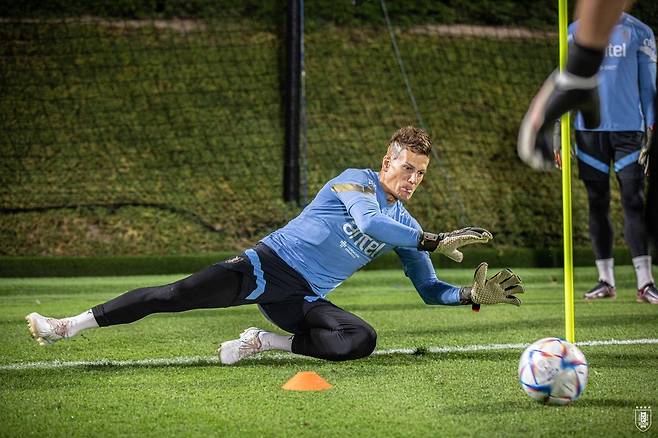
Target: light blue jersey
x,y
627,77
349,224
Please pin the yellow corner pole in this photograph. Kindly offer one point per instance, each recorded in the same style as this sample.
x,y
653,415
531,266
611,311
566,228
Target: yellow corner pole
x,y
566,188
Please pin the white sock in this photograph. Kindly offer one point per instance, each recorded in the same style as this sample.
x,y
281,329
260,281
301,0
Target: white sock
x,y
272,341
83,321
606,268
642,265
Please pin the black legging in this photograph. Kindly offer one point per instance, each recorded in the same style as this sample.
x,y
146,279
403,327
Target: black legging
x,y
321,329
213,287
600,225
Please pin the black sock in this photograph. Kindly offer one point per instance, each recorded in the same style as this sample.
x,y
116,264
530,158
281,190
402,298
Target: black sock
x,y
584,61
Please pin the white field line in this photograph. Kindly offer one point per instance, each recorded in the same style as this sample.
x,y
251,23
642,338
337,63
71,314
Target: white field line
x,y
201,360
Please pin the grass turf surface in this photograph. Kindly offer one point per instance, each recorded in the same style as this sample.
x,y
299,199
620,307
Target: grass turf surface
x,y
431,394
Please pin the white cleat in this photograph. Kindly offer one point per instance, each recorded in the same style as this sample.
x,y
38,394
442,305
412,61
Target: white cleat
x,y
45,330
246,345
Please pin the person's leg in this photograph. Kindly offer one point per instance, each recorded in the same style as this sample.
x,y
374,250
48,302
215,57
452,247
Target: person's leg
x,y
600,224
630,176
212,287
601,235
635,232
329,332
320,329
594,155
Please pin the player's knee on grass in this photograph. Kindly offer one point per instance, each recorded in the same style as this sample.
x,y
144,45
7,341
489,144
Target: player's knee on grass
x,y
355,343
336,344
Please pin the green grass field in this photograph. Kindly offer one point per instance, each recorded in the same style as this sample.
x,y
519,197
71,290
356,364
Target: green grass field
x,y
121,389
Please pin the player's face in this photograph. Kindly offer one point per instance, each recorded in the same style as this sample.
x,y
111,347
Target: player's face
x,y
401,176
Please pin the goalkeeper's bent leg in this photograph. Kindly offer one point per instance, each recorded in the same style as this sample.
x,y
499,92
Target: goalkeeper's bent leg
x,y
212,287
331,333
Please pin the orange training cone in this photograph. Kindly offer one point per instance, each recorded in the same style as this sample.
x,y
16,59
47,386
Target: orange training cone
x,y
306,381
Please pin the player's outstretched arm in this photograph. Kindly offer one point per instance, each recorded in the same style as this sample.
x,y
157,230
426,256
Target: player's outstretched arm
x,y
501,288
562,92
572,89
449,243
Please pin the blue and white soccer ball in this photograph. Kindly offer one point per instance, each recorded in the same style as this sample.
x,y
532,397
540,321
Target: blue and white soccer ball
x,y
553,371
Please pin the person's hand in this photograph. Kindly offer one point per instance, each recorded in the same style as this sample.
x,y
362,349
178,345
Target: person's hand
x,y
646,149
448,243
501,288
557,145
561,92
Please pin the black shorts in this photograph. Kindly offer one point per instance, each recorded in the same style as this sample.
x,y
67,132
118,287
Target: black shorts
x,y
266,278
596,150
282,294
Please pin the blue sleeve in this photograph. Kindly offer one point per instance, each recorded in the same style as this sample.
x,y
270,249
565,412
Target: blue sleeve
x,y
571,32
418,267
361,203
647,75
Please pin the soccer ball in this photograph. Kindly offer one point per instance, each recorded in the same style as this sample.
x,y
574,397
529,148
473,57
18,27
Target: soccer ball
x,y
553,371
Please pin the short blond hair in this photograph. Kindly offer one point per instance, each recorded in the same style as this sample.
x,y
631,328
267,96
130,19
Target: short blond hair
x,y
415,139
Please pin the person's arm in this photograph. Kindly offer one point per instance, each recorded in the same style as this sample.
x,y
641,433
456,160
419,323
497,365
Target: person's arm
x,y
647,87
575,88
502,287
418,267
361,204
647,78
598,18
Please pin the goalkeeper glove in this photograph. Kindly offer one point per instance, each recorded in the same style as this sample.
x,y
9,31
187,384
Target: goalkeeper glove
x,y
646,149
501,288
557,145
562,92
447,243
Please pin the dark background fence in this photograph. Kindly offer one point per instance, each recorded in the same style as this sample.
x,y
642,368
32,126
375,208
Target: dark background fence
x,y
157,127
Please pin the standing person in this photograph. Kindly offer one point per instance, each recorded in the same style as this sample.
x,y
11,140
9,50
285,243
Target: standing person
x,y
649,159
356,217
573,88
627,87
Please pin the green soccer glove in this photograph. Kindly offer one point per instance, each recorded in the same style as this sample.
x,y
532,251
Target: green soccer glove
x,y
646,148
447,243
498,289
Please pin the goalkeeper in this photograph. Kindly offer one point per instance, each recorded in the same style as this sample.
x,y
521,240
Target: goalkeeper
x,y
354,218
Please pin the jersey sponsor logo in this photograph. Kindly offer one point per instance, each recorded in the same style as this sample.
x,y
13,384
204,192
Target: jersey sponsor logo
x,y
616,50
369,246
